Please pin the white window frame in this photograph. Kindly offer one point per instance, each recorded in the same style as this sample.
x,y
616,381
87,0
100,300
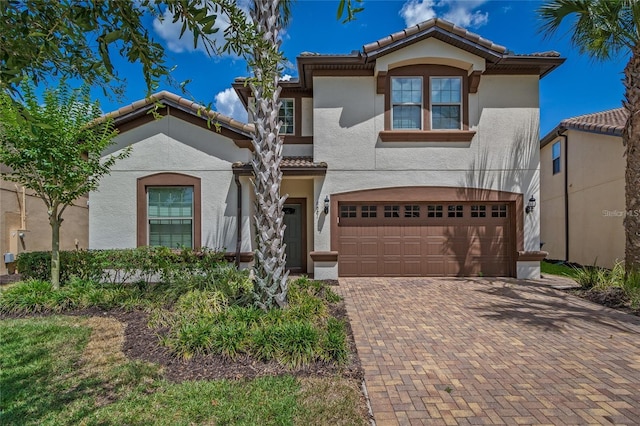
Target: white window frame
x,y
191,218
293,116
406,77
431,103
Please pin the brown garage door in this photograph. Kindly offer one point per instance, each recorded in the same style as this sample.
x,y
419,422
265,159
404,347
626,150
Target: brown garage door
x,y
424,239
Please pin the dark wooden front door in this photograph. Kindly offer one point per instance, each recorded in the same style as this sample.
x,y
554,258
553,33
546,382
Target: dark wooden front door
x,y
295,234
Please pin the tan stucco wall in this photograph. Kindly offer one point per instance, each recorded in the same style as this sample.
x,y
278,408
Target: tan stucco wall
x,y
503,155
37,235
596,167
171,145
431,51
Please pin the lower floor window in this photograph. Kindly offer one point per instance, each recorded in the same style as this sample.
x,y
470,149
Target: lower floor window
x,y
170,216
174,233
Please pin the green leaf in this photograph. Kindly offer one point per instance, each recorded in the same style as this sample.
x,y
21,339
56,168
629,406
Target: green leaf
x,y
112,36
340,9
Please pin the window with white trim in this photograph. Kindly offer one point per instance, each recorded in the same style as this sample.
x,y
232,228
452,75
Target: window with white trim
x,y
446,103
287,117
170,216
406,103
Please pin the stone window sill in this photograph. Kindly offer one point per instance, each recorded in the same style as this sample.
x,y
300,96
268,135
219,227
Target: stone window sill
x,y
427,136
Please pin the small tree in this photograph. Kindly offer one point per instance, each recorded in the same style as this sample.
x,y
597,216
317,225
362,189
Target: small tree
x,y
54,149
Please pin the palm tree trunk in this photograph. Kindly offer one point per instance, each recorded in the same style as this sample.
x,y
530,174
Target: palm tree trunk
x,y
270,272
631,139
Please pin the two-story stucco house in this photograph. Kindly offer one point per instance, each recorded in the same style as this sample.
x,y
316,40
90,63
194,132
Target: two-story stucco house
x,y
416,156
582,189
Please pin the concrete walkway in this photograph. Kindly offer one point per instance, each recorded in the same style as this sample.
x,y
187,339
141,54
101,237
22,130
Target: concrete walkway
x,y
492,351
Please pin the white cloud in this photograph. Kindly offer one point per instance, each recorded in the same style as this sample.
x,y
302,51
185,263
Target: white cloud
x,y
286,77
461,12
462,16
415,11
228,103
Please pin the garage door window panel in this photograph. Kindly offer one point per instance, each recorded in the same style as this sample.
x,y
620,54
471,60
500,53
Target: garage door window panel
x,y
348,211
478,211
499,210
369,211
434,210
412,211
391,211
455,211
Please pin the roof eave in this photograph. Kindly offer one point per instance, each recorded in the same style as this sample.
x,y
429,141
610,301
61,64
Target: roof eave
x,y
552,135
157,101
544,64
440,34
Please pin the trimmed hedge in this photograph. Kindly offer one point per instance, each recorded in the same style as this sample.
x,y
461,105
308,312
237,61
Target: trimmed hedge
x,y
142,264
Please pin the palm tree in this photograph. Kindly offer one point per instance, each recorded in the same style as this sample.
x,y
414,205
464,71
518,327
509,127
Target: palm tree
x,y
270,272
604,29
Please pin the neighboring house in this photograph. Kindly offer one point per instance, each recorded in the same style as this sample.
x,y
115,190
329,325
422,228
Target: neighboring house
x,y
24,223
582,189
415,156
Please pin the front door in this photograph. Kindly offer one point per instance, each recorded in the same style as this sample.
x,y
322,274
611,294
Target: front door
x,y
294,234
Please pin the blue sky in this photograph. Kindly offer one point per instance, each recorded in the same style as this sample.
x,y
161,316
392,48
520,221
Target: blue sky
x,y
579,86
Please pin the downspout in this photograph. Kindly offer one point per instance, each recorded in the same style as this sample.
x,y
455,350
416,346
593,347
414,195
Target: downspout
x,y
238,218
566,193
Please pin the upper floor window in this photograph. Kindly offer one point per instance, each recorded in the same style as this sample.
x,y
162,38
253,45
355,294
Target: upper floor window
x,y
406,99
446,103
286,116
426,103
555,155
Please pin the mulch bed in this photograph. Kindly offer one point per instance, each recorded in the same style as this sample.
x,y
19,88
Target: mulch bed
x,y
143,343
612,297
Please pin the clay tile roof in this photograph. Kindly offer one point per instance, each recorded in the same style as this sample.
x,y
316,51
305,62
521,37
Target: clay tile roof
x,y
289,165
187,104
609,122
547,54
291,162
435,22
303,162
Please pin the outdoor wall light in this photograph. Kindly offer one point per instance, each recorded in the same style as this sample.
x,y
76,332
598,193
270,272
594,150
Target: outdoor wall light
x,y
530,205
326,204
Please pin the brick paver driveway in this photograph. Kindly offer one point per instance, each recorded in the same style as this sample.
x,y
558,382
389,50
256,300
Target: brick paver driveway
x,y
491,351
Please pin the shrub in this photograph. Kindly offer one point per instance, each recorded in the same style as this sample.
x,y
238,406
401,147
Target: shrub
x,y
335,341
631,287
35,265
200,304
235,285
27,297
190,338
228,339
35,296
144,264
590,276
205,321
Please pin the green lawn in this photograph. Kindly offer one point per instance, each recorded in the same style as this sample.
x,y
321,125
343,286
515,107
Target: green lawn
x,y
53,373
558,269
